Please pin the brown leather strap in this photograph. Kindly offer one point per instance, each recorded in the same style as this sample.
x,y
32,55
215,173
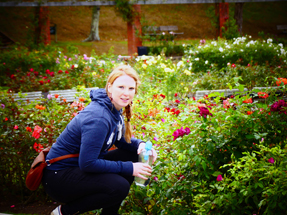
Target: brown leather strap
x,y
62,158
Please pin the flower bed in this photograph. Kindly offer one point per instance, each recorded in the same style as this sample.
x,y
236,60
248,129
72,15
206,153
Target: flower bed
x,y
220,154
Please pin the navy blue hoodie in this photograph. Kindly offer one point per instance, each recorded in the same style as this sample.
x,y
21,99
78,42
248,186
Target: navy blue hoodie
x,y
91,134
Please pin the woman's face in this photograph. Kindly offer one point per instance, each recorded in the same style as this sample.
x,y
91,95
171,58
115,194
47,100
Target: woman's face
x,y
122,91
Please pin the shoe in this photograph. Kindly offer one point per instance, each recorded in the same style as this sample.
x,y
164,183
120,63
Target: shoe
x,y
57,211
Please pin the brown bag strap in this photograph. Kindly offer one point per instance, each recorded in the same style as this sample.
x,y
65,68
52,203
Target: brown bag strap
x,y
53,160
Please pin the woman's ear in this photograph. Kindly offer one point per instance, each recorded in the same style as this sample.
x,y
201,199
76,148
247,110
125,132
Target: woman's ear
x,y
109,88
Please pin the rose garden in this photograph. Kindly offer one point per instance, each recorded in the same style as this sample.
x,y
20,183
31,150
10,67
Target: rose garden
x,y
218,154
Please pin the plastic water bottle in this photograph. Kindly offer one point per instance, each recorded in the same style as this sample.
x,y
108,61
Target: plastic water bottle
x,y
145,157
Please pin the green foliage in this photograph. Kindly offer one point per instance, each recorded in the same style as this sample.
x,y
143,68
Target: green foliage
x,y
21,58
242,50
167,50
252,185
230,29
214,19
125,10
196,140
51,69
17,151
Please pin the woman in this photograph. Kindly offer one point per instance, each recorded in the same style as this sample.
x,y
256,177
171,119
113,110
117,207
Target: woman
x,y
98,178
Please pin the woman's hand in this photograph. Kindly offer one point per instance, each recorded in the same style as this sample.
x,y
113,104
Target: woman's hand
x,y
141,170
142,147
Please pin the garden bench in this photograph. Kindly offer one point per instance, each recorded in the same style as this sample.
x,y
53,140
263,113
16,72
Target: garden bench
x,y
282,28
151,30
264,88
154,30
277,93
172,29
201,93
124,57
70,95
28,96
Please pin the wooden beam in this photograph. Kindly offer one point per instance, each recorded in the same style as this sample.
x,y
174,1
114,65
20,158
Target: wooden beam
x,y
110,3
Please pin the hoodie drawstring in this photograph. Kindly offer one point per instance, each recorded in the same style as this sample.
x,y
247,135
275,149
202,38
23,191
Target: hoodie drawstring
x,y
120,128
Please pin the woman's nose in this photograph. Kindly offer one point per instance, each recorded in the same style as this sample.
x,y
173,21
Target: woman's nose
x,y
126,91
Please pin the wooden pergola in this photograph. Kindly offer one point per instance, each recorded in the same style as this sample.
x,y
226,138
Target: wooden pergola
x,y
222,10
111,3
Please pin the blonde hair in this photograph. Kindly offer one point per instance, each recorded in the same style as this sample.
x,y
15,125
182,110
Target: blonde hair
x,y
117,72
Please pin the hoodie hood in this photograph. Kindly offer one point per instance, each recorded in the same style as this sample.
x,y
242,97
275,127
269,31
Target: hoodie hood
x,y
100,96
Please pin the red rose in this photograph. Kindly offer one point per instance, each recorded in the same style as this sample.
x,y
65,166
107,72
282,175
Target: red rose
x,y
38,147
263,95
37,131
28,129
248,101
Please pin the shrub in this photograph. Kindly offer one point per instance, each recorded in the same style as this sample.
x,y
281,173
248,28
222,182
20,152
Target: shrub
x,y
199,142
19,145
254,184
217,54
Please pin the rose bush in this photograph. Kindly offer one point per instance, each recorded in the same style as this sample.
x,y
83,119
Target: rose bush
x,y
27,128
201,143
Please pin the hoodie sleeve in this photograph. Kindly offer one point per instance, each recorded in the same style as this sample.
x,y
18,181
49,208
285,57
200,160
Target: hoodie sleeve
x,y
94,135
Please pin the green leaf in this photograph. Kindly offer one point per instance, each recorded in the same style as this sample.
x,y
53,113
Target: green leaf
x,y
203,165
241,88
257,137
250,136
216,173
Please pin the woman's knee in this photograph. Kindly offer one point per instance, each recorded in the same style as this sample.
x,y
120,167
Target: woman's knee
x,y
121,186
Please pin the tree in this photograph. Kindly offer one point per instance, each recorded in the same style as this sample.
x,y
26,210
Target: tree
x,y
238,16
94,34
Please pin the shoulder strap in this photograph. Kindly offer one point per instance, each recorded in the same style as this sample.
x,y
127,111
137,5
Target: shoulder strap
x,y
62,158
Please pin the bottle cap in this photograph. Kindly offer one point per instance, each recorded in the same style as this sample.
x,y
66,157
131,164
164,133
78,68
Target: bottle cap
x,y
148,145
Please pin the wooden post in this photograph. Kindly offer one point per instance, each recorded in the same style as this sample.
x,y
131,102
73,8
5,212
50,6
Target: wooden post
x,y
238,15
43,29
134,32
222,10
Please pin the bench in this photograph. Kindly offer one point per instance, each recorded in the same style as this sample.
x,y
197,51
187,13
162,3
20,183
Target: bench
x,y
201,93
70,95
282,28
253,93
161,30
172,29
29,96
151,30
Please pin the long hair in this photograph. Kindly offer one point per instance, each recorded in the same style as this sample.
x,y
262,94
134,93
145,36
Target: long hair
x,y
117,72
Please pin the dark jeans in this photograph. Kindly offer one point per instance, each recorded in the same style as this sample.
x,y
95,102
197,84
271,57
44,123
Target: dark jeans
x,y
81,191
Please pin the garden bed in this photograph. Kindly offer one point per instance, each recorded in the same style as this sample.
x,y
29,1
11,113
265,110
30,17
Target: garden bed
x,y
209,147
